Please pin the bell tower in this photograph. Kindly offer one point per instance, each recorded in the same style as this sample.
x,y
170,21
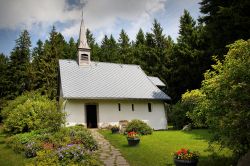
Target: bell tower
x,y
83,47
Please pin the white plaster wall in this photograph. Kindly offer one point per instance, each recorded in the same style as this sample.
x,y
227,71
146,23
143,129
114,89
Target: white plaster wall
x,y
108,113
75,110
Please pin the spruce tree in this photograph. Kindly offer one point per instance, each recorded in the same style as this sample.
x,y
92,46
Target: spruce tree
x,y
125,55
18,68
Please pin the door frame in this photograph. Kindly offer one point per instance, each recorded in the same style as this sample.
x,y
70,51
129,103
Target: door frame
x,y
97,114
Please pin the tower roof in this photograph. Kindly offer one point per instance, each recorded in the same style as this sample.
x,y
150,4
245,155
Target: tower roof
x,y
82,36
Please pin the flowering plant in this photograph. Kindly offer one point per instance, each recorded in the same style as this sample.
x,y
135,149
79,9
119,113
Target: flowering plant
x,y
132,135
186,154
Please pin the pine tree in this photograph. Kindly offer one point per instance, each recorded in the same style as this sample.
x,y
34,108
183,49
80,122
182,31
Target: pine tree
x,y
72,49
93,45
4,82
109,50
140,38
187,61
54,49
18,71
124,48
226,21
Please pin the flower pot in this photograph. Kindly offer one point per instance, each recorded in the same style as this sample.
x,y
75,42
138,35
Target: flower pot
x,y
185,162
133,141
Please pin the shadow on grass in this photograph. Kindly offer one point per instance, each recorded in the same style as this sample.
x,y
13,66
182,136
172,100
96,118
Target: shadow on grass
x,y
216,160
199,134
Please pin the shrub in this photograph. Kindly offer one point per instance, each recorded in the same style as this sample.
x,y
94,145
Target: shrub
x,y
114,129
46,158
31,148
19,141
186,111
81,135
69,155
227,90
31,111
178,116
139,127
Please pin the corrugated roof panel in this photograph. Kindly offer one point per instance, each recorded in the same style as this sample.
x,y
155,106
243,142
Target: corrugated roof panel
x,y
107,81
156,81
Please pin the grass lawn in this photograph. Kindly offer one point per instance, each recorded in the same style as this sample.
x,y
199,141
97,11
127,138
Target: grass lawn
x,y
7,156
157,149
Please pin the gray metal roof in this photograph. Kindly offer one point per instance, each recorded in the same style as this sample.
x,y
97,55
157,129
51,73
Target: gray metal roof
x,y
156,81
106,81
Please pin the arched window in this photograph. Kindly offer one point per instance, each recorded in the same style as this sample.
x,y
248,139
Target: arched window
x,y
84,57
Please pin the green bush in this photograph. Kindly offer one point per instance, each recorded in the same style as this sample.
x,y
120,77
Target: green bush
x,y
34,141
139,127
46,158
19,141
178,116
69,155
186,111
31,111
31,148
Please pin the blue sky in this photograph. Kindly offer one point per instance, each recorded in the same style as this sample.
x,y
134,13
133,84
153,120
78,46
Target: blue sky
x,y
100,16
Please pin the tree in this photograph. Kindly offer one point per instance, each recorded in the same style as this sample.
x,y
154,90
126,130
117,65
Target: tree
x,y
4,82
226,21
18,71
187,63
47,73
109,50
72,49
93,45
227,90
124,48
140,38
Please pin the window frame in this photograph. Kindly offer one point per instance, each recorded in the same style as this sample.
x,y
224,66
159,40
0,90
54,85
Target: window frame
x,y
149,107
119,106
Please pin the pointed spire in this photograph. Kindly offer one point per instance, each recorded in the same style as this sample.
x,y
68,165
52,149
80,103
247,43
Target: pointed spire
x,y
82,36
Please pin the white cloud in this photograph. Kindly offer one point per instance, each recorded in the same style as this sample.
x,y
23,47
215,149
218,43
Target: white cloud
x,y
25,13
103,15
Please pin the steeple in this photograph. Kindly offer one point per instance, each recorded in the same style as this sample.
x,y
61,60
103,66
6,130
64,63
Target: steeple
x,y
83,47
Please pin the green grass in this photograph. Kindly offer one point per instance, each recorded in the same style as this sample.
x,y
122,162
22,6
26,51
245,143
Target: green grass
x,y
7,156
157,149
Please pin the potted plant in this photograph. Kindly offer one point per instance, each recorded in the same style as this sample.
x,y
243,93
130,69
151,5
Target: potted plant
x,y
133,138
184,157
114,129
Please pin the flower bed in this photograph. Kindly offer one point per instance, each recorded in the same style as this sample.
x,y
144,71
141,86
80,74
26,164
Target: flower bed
x,y
68,146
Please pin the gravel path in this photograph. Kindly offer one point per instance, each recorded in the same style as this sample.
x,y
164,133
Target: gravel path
x,y
109,155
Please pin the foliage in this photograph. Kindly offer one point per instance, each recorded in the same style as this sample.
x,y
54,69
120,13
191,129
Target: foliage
x,y
69,155
227,89
46,158
114,129
186,154
187,110
31,111
31,148
177,116
139,127
34,141
19,141
132,135
225,22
